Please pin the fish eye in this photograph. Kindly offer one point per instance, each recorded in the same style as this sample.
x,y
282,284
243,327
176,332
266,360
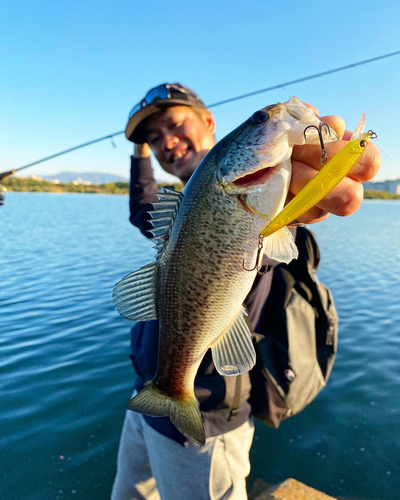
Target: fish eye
x,y
363,143
260,117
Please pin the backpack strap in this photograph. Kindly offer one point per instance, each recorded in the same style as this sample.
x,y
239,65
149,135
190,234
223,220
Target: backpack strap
x,y
308,248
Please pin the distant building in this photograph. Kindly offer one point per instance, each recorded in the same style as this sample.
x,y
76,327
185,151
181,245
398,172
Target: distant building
x,y
388,186
36,177
55,181
81,182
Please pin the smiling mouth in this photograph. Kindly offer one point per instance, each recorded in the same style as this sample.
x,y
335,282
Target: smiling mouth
x,y
180,155
259,177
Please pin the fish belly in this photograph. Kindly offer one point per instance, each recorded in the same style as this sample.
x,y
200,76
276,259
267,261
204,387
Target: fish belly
x,y
203,285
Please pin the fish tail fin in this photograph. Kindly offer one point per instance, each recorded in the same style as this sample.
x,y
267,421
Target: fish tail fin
x,y
280,246
183,413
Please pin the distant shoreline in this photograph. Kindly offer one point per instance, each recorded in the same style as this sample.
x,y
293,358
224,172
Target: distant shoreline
x,y
380,195
23,185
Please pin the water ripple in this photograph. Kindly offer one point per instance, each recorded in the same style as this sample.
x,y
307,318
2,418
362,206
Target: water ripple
x,y
66,375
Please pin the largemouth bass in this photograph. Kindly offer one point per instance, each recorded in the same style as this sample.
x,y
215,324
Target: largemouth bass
x,y
206,239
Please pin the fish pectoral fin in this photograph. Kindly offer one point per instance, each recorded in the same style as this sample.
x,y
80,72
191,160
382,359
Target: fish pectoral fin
x,y
280,246
183,413
234,353
134,296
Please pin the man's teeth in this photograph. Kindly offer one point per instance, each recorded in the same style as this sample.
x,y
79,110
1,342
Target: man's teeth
x,y
179,155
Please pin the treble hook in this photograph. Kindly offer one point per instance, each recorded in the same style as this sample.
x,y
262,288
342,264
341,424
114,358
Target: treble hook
x,y
257,264
324,155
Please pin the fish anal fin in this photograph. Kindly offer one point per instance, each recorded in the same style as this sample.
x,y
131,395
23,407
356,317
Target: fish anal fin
x,y
234,353
280,246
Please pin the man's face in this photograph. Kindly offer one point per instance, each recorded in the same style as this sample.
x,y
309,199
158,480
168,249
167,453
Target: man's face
x,y
180,138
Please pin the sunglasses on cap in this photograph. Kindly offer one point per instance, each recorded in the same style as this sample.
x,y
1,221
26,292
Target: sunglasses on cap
x,y
163,92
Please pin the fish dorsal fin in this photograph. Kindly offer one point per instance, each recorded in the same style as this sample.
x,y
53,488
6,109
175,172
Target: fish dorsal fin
x,y
280,246
134,296
163,216
234,353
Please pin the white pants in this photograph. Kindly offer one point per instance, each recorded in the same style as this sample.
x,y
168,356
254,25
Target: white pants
x,y
151,466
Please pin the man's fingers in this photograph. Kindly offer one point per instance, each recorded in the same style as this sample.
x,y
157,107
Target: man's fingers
x,y
315,110
368,165
311,155
335,122
141,150
347,196
364,170
311,217
343,200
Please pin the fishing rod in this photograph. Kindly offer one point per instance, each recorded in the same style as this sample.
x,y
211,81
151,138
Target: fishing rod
x,y
219,103
11,172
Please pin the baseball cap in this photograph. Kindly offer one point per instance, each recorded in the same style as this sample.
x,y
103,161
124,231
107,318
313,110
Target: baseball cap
x,y
162,96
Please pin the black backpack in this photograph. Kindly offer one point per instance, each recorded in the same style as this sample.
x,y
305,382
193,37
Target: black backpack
x,y
296,352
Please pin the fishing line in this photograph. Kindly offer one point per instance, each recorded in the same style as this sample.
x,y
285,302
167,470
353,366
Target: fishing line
x,y
110,136
219,103
391,156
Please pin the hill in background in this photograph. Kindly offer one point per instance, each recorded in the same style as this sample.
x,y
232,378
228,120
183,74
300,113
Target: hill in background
x,y
92,177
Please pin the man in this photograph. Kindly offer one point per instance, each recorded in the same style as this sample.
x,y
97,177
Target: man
x,y
154,459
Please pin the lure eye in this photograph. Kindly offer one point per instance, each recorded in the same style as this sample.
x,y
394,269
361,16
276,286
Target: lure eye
x,y
260,117
363,143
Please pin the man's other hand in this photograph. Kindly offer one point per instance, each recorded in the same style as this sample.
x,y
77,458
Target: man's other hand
x,y
141,150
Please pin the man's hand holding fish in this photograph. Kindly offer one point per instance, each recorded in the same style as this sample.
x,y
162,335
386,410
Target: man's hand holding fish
x,y
347,197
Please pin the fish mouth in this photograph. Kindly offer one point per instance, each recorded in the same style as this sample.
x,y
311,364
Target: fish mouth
x,y
255,178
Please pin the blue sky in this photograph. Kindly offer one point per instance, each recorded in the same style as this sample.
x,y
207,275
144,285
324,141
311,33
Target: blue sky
x,y
72,70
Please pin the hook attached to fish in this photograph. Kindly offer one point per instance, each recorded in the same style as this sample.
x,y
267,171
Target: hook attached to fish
x,y
324,155
258,264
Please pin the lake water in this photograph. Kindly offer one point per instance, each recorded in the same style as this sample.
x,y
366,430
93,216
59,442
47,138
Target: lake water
x,y
65,374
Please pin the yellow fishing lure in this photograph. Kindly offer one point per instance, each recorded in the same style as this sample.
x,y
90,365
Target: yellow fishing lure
x,y
323,183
